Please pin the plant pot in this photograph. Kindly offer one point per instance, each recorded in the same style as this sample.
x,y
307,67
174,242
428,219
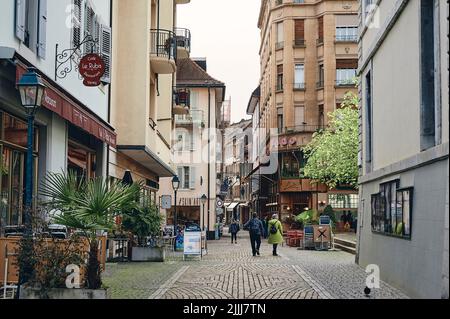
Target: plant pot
x,y
63,293
148,254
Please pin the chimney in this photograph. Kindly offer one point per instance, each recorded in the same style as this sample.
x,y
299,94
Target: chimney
x,y
201,62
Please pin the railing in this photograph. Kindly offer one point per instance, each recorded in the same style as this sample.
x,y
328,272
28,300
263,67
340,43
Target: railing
x,y
280,87
346,83
320,84
291,174
183,38
347,38
182,97
299,43
299,86
164,44
279,45
195,116
302,129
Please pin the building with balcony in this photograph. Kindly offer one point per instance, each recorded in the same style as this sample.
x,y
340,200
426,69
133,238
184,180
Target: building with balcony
x,y
309,58
197,99
404,90
72,127
142,100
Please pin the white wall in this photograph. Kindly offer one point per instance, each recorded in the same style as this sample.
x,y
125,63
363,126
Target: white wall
x,y
58,13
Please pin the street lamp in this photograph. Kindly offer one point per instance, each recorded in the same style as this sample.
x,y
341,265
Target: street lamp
x,y
176,187
31,90
203,200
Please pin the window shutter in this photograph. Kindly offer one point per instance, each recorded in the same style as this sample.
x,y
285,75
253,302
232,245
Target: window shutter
x,y
76,23
321,28
20,19
105,51
181,176
89,27
192,178
299,30
347,64
42,41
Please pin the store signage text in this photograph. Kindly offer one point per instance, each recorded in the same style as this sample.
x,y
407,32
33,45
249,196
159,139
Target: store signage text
x,y
92,68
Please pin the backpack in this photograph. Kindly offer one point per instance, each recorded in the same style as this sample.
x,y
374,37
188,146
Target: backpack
x,y
254,226
273,228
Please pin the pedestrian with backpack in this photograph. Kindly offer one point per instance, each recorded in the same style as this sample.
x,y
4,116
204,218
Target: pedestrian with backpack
x,y
275,233
256,229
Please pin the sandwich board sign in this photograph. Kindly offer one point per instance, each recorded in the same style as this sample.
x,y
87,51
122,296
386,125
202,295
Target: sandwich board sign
x,y
193,244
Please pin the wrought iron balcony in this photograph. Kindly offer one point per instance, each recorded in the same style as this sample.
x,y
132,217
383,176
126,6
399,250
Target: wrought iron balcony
x,y
279,45
181,100
163,51
347,38
301,129
299,86
299,43
320,84
183,38
346,83
193,117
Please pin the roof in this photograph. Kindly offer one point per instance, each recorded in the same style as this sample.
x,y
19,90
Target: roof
x,y
190,73
253,100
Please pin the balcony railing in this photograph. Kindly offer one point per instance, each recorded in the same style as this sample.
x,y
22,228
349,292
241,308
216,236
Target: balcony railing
x,y
164,44
182,97
299,86
347,38
194,117
279,45
346,83
302,129
183,38
291,174
320,84
299,43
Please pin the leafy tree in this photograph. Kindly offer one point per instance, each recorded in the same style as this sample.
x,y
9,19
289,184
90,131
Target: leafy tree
x,y
332,155
143,222
88,206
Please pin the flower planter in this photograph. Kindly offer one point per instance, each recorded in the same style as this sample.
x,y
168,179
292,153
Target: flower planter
x,y
148,254
63,293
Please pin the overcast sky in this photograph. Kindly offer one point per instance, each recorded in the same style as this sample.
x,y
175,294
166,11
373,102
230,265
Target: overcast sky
x,y
226,33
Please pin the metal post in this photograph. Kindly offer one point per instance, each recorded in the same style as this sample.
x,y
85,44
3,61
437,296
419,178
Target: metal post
x,y
29,176
175,222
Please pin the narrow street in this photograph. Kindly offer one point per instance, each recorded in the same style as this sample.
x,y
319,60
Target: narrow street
x,y
230,272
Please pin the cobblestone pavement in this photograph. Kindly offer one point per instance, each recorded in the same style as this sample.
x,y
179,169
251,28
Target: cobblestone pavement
x,y
230,271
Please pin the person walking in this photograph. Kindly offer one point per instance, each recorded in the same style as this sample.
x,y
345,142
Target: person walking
x,y
255,227
275,233
234,229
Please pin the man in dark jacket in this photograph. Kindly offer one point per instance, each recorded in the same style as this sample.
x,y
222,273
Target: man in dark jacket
x,y
234,229
256,229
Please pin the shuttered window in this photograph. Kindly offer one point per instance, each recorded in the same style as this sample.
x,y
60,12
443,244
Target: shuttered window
x,y
20,19
76,23
187,176
42,31
105,51
347,64
320,29
90,28
299,32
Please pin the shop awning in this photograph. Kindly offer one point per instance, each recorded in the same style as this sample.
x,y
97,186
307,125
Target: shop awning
x,y
144,156
232,206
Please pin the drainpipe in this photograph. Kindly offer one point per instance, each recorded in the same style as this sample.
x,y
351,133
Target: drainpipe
x,y
209,159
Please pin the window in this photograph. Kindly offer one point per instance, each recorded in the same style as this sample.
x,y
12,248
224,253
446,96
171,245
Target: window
x,y
31,24
321,116
299,1
320,83
346,72
280,77
186,175
320,31
392,210
184,141
280,120
299,113
347,34
280,35
430,102
299,77
299,32
368,8
343,201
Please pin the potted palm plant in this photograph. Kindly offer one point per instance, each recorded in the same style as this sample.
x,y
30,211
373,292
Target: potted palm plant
x,y
145,223
88,207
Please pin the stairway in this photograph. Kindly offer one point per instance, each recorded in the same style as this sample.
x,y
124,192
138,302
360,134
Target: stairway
x,y
345,245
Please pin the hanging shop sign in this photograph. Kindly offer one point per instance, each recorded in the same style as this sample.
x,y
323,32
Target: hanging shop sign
x,y
92,68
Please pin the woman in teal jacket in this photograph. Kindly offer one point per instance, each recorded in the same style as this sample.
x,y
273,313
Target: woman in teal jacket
x,y
275,231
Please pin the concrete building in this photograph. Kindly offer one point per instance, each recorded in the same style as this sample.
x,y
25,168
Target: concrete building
x,y
143,98
72,126
196,144
404,213
309,58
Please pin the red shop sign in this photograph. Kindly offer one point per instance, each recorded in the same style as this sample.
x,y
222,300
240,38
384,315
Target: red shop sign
x,y
92,67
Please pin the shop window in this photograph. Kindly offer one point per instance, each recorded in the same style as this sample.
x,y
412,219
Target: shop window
x,y
81,161
392,210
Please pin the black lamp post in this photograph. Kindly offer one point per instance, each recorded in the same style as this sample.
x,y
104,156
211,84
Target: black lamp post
x,y
203,200
175,186
31,90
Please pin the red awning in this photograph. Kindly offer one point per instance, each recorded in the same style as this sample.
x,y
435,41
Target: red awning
x,y
73,112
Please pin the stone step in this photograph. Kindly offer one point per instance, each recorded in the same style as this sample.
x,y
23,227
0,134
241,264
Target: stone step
x,y
345,242
347,249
